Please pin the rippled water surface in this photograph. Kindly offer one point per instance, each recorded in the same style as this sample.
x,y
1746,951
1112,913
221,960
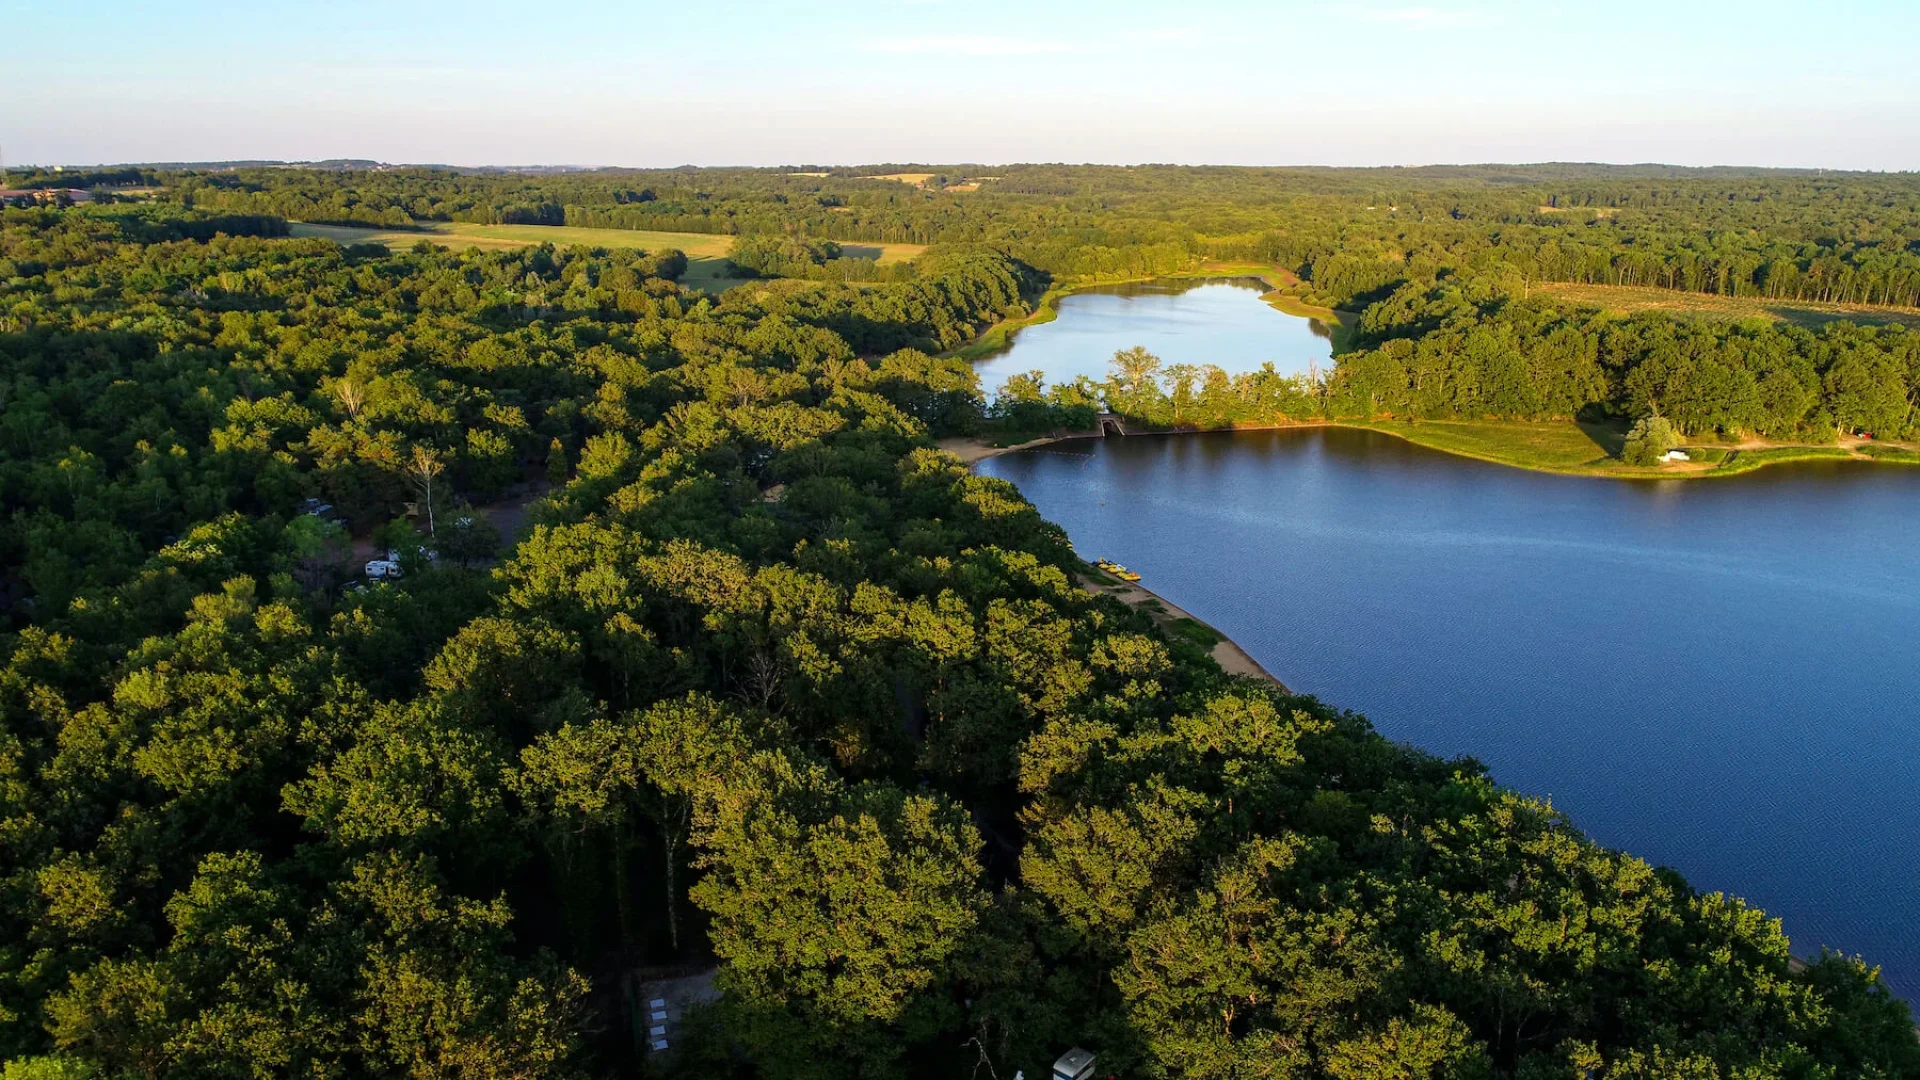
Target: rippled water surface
x,y
1717,675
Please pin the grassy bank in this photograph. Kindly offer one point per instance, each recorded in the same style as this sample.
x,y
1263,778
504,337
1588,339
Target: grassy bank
x,y
1284,289
1629,299
1571,449
1342,324
999,336
1549,447
1581,449
706,253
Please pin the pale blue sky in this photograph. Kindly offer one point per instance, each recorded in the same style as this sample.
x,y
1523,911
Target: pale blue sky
x,y
856,81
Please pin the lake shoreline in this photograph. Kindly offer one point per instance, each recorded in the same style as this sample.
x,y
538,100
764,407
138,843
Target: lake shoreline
x,y
1226,652
1124,531
1562,447
998,338
972,448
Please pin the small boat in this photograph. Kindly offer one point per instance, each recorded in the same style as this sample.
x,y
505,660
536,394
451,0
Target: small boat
x,y
1116,570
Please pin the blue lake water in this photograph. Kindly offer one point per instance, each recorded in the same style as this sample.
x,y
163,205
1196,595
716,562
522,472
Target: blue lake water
x,y
1224,323
1716,675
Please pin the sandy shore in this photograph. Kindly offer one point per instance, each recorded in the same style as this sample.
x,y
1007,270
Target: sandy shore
x,y
1229,655
970,449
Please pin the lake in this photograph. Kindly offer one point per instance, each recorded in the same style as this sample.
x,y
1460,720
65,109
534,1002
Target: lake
x,y
1715,675
1224,323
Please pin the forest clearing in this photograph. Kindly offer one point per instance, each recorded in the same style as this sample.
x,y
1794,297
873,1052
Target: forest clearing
x,y
1633,299
706,252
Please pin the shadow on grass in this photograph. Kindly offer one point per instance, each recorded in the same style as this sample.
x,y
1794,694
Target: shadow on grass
x,y
710,272
1609,435
1813,320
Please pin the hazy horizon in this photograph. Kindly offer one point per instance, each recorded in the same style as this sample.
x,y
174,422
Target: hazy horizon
x,y
771,83
510,166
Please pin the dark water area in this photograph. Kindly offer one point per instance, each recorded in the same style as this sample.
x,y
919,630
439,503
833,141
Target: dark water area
x,y
1715,675
1224,323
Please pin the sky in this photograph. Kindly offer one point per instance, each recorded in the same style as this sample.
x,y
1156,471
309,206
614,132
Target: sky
x,y
841,82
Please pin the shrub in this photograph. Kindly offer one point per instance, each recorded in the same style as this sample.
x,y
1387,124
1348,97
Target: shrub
x,y
1651,437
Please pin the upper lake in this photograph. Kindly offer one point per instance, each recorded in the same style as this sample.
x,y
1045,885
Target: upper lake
x,y
1715,675
1224,323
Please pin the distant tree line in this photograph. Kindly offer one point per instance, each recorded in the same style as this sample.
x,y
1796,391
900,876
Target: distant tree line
x,y
1352,234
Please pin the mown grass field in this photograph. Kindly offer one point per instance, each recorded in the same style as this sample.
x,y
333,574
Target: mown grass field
x,y
1627,300
911,179
1593,449
1558,447
706,252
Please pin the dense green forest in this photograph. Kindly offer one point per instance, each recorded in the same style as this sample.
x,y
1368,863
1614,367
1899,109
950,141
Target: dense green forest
x,y
765,680
1443,261
1352,232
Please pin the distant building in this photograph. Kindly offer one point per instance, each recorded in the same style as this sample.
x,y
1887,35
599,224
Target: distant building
x,y
1675,455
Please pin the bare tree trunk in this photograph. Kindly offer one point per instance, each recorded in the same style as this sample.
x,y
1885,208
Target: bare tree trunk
x,y
670,833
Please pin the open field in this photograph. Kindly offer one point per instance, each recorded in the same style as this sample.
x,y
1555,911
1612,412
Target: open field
x,y
706,252
398,238
1628,299
919,179
884,254
916,179
1555,447
1591,449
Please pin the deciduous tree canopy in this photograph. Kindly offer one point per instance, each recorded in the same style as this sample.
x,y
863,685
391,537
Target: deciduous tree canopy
x,y
764,679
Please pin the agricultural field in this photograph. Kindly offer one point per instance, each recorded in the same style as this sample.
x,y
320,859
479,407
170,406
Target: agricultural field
x,y
920,179
706,252
1629,300
912,179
